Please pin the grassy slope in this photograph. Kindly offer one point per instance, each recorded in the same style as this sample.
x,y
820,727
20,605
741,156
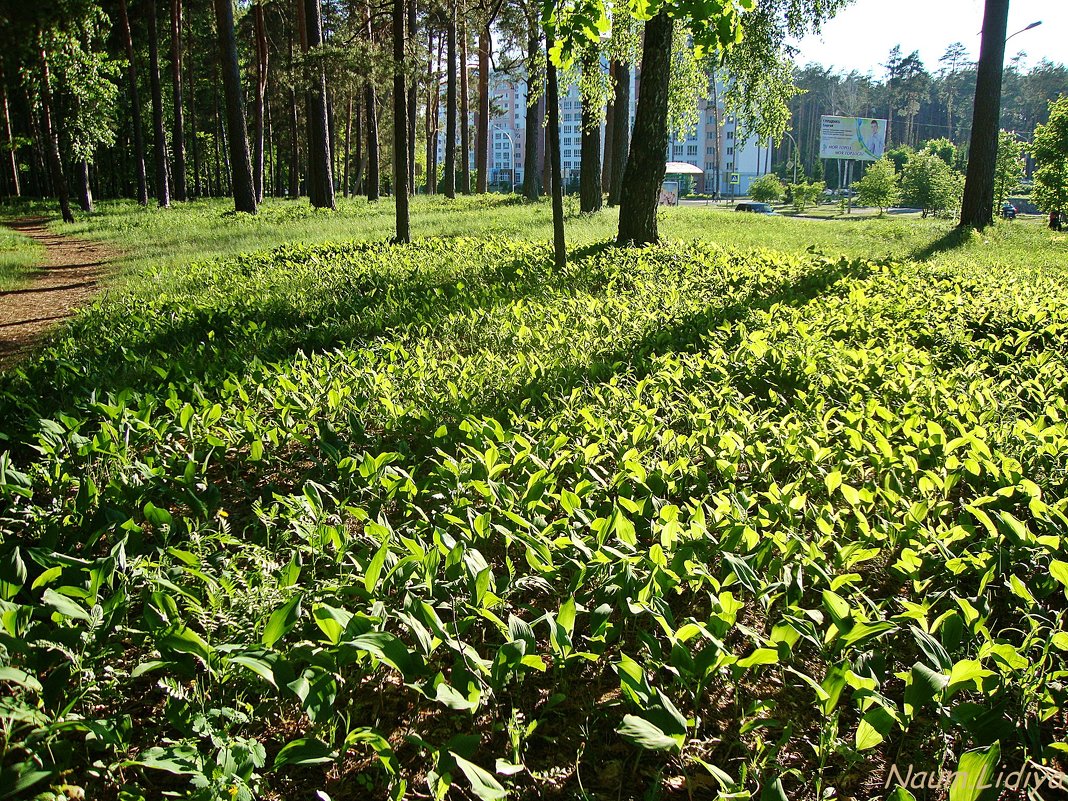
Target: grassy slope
x,y
766,407
18,256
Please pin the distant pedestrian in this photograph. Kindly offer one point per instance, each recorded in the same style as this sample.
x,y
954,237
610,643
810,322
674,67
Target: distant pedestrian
x,y
1055,220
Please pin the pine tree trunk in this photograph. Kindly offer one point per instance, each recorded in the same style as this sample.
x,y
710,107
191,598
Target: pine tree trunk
x,y
609,133
357,147
644,173
9,140
590,169
163,190
532,122
555,174
85,191
400,127
465,113
373,177
243,189
371,110
319,160
413,106
51,138
260,35
977,208
485,42
431,124
450,105
620,131
135,107
178,132
194,145
348,148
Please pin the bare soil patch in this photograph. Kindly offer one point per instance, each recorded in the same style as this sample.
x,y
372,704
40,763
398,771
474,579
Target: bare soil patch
x,y
67,280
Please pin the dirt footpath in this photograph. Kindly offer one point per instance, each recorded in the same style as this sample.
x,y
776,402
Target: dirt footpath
x,y
67,279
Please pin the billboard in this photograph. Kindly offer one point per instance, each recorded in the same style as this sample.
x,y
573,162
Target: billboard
x,y
857,138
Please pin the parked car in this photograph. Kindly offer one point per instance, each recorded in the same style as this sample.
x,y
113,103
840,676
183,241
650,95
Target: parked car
x,y
1008,211
755,208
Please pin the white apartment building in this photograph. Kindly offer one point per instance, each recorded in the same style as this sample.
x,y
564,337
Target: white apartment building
x,y
720,151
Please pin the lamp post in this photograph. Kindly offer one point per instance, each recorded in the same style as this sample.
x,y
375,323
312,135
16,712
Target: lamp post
x,y
511,153
795,153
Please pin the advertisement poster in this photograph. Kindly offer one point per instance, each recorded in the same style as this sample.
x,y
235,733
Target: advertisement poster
x,y
669,193
856,138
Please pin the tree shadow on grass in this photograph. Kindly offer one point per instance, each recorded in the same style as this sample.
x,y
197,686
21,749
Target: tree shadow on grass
x,y
956,237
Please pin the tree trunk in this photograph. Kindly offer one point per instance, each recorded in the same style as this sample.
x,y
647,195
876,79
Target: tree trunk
x,y
646,164
51,137
357,142
163,190
135,107
413,106
977,208
373,177
553,103
590,165
450,105
485,42
178,135
241,164
432,92
400,127
260,35
85,191
371,103
609,134
10,140
194,145
319,163
348,149
465,113
532,123
620,131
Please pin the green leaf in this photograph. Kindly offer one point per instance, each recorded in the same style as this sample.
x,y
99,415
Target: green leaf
x,y
838,609
282,621
21,678
761,656
65,606
157,516
968,670
483,783
186,641
974,772
901,794
874,726
306,751
331,621
642,733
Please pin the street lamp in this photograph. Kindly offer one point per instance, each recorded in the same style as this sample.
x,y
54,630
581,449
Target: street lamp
x,y
511,146
1029,27
795,153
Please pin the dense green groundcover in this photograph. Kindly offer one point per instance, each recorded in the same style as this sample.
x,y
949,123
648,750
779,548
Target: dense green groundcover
x,y
682,521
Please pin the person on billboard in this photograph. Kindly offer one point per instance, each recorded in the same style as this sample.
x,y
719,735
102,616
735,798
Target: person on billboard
x,y
873,141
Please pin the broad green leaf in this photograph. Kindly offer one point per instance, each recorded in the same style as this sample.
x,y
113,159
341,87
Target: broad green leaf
x,y
873,727
483,783
646,735
305,751
281,621
65,606
974,772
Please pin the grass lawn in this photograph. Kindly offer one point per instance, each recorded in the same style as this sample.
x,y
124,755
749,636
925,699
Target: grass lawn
x,y
759,512
18,256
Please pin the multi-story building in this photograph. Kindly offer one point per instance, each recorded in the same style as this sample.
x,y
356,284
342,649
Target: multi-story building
x,y
716,145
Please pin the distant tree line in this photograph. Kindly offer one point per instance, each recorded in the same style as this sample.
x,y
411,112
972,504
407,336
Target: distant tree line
x,y
920,104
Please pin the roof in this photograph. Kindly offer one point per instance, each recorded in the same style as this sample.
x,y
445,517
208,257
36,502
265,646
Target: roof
x,y
682,168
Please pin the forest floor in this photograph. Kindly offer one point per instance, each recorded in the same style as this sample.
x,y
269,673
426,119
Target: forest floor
x,y
67,277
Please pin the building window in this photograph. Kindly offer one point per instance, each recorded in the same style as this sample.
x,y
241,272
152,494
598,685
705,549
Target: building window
x,y
730,134
730,151
708,151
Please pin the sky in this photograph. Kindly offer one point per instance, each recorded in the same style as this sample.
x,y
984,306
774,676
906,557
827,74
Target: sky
x,y
862,35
